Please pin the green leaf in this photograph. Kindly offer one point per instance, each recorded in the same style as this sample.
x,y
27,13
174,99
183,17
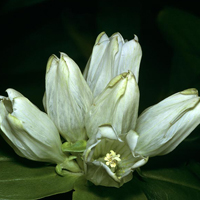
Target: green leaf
x,y
23,179
172,183
182,30
152,184
84,190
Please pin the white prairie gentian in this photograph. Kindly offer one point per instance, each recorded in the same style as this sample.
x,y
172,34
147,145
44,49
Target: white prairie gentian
x,y
102,107
67,97
116,105
109,160
164,126
111,57
30,132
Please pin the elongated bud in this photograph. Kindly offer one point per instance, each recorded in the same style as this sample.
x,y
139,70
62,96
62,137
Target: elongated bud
x,y
67,97
111,57
164,126
29,131
116,105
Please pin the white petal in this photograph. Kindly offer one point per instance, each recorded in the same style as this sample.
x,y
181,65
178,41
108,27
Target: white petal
x,y
131,139
44,102
3,111
116,105
111,57
108,132
68,97
97,53
183,127
30,116
31,133
130,58
160,125
140,163
13,94
101,64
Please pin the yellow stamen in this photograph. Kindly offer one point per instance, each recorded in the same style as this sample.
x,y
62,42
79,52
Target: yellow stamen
x,y
112,159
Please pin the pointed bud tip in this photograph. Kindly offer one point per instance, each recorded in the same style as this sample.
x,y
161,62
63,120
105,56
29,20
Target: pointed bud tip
x,y
63,55
123,75
116,80
99,37
191,91
136,38
52,58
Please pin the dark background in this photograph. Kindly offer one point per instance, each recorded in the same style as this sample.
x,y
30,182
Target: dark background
x,y
33,30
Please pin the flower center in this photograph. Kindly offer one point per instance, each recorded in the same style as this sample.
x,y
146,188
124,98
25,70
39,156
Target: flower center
x,y
112,159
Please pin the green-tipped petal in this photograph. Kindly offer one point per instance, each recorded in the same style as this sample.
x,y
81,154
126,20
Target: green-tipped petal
x,y
29,131
67,97
116,105
111,57
164,126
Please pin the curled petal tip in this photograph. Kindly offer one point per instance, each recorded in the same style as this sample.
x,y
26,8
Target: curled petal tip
x,y
190,91
136,38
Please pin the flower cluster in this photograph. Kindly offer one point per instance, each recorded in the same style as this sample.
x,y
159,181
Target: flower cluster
x,y
96,114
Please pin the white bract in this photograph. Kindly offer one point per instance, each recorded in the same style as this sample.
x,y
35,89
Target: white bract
x,y
110,159
164,126
111,57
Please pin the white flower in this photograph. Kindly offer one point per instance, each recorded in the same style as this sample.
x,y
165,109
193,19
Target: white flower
x,y
116,105
31,133
67,97
111,57
103,108
110,159
164,126
28,130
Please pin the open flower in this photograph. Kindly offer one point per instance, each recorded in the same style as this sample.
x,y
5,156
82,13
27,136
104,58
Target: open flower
x,y
111,57
110,159
102,107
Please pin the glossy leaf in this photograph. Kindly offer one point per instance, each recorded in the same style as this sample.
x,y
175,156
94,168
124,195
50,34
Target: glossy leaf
x,y
23,179
84,190
171,183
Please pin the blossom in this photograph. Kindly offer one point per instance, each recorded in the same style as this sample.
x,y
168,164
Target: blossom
x,y
110,159
111,57
97,116
116,105
67,97
30,132
164,126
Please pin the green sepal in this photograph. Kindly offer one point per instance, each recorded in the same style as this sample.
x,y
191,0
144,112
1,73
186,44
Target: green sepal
x,y
68,165
78,146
